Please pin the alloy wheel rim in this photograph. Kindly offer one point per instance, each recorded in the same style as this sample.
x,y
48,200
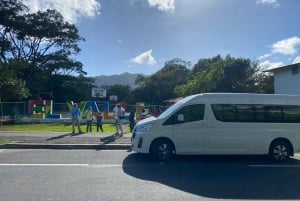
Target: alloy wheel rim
x,y
163,150
280,152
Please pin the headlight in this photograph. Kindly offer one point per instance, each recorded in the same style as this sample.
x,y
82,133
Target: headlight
x,y
144,127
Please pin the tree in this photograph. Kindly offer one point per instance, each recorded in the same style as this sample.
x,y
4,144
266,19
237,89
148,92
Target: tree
x,y
160,86
204,65
264,83
66,87
238,75
9,18
43,39
220,75
203,77
38,37
122,91
140,79
11,88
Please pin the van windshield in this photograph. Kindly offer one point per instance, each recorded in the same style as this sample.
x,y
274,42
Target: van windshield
x,y
175,107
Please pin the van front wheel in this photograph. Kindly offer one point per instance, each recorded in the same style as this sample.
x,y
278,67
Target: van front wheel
x,y
162,149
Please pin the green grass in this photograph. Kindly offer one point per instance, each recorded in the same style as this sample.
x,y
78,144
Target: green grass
x,y
52,127
4,142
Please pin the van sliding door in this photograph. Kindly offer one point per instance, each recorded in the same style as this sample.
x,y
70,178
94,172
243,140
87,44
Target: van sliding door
x,y
189,128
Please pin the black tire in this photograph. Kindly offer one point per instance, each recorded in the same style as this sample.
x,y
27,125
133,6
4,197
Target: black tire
x,y
162,149
280,151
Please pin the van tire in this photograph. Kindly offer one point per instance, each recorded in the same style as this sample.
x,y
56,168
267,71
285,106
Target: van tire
x,y
280,151
162,149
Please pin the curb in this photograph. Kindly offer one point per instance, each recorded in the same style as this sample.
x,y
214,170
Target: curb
x,y
65,146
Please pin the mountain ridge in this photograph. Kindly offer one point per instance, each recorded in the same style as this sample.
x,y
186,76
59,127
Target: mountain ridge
x,y
110,80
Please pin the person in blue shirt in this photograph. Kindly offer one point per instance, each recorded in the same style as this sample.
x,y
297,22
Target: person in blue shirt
x,y
75,113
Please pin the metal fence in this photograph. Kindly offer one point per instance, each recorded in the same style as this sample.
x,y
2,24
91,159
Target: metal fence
x,y
13,109
17,110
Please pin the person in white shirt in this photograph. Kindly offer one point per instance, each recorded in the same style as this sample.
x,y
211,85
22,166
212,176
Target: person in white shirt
x,y
119,115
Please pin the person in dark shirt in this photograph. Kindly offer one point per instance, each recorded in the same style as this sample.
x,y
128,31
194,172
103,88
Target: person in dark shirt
x,y
131,120
99,118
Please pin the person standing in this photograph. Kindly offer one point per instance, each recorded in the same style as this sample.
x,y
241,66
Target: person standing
x,y
119,115
99,118
89,120
131,120
75,113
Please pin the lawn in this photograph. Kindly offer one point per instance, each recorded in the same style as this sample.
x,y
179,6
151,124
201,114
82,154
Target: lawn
x,y
52,127
4,141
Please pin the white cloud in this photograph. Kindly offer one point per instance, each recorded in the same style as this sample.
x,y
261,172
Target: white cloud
x,y
163,5
287,46
269,65
72,10
144,58
264,56
296,60
269,2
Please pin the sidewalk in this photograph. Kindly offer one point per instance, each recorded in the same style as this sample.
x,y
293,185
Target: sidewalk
x,y
62,140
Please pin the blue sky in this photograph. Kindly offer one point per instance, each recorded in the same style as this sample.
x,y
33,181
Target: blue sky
x,y
139,36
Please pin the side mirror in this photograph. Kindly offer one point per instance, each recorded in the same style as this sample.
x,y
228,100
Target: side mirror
x,y
180,118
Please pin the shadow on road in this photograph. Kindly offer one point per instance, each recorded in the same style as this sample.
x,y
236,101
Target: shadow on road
x,y
65,135
221,177
109,139
60,136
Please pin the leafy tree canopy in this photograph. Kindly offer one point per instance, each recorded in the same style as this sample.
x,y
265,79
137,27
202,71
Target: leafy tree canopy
x,y
220,75
42,40
11,88
160,86
123,92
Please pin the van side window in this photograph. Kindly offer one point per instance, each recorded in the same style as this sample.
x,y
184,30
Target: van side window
x,y
273,113
257,113
191,113
291,114
229,113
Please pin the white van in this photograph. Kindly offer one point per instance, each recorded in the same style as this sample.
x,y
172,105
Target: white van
x,y
223,123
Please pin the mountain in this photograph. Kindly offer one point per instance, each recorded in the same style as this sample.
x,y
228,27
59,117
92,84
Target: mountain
x,y
122,79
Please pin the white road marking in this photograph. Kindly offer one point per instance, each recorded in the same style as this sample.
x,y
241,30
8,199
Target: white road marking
x,y
63,165
105,165
33,164
118,165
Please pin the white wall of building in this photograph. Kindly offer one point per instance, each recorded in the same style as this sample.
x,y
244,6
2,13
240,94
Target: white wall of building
x,y
286,83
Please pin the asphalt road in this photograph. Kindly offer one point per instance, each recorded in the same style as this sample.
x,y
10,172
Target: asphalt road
x,y
120,175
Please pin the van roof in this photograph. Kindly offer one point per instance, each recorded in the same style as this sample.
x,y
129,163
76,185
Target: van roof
x,y
247,94
246,98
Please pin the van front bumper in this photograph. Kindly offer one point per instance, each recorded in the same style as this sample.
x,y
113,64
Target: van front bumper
x,y
139,143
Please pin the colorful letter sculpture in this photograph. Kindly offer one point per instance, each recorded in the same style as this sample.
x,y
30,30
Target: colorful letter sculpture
x,y
40,109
